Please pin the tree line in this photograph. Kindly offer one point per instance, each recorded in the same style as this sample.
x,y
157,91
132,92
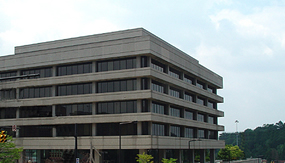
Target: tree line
x,y
267,142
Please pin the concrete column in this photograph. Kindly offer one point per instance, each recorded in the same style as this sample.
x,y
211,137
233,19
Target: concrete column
x,y
17,93
53,91
94,67
139,81
206,118
167,109
93,108
139,106
150,128
194,81
138,61
202,156
206,86
17,132
150,105
53,110
94,129
149,61
18,112
93,87
169,129
212,156
139,128
167,68
54,132
54,71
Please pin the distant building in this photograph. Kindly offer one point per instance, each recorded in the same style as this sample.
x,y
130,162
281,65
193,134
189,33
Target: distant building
x,y
160,99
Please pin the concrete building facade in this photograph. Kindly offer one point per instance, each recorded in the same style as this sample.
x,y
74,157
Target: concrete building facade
x,y
129,83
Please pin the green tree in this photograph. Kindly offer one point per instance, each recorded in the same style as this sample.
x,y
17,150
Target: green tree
x,y
171,160
230,153
8,151
144,158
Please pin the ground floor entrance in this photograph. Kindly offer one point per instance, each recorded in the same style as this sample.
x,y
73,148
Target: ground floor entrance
x,y
113,155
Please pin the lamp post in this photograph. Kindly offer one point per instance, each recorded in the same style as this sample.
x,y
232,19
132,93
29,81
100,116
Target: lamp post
x,y
192,154
237,131
120,137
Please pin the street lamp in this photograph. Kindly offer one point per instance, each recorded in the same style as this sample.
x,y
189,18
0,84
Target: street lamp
x,y
237,130
192,153
120,137
191,141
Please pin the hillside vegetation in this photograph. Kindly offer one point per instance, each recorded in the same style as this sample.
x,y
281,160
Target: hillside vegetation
x,y
266,142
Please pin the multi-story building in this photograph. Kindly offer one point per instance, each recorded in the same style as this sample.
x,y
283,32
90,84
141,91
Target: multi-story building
x,y
129,83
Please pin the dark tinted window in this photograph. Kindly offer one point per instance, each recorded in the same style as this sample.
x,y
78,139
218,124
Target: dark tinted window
x,y
74,89
158,66
118,64
158,129
74,69
37,73
116,107
6,94
175,112
4,76
68,130
159,87
158,108
74,109
116,86
175,131
35,111
36,131
35,92
6,113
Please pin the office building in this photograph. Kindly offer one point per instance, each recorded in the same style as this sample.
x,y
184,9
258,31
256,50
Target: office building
x,y
129,83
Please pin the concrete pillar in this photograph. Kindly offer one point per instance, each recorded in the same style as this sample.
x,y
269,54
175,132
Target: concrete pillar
x,y
150,105
53,91
202,156
139,106
94,129
212,155
94,67
93,108
150,128
93,87
139,128
149,61
139,80
53,131
17,133
17,93
54,71
53,110
138,61
18,112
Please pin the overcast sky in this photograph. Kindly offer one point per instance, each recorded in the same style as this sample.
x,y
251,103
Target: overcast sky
x,y
241,40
